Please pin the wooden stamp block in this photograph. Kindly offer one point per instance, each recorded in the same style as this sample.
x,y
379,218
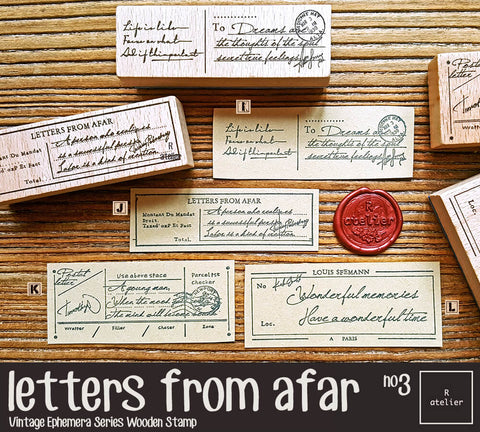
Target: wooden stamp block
x,y
92,149
215,46
458,210
454,94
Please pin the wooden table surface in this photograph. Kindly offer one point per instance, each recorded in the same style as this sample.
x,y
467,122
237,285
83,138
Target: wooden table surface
x,y
58,58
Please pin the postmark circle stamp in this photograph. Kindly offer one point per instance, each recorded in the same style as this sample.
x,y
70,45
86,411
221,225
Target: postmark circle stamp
x,y
205,300
392,129
368,221
310,25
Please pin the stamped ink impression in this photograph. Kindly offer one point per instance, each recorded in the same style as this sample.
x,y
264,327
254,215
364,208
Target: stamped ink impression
x,y
205,300
310,26
368,222
392,129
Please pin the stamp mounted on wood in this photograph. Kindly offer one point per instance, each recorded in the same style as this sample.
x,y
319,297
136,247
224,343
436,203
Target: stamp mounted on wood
x,y
93,149
458,210
454,99
222,46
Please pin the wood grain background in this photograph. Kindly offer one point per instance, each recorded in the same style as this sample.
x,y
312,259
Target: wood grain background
x,y
58,59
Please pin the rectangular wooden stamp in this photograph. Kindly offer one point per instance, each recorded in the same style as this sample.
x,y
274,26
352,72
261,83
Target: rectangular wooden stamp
x,y
223,219
314,143
92,149
141,302
454,99
343,305
218,46
458,210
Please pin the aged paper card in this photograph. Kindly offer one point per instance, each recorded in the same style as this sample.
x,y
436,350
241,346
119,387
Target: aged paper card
x,y
141,302
94,148
322,143
267,45
224,220
343,304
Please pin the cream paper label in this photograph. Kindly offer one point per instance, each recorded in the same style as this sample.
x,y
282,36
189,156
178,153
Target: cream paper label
x,y
343,304
224,220
322,143
141,302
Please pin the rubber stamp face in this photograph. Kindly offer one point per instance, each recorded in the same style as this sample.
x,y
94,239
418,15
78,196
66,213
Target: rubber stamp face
x,y
310,26
368,222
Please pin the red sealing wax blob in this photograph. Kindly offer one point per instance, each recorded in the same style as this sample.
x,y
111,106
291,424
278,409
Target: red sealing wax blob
x,y
368,221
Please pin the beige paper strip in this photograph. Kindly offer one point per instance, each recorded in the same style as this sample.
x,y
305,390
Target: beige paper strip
x,y
167,220
343,305
141,302
322,143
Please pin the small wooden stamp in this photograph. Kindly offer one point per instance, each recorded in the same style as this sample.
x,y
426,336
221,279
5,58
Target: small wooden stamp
x,y
458,210
222,46
454,94
93,149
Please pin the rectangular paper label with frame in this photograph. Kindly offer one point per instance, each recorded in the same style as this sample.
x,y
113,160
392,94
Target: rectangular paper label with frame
x,y
343,304
322,143
164,220
141,302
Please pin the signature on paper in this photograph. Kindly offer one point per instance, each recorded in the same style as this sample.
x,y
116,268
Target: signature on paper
x,y
87,304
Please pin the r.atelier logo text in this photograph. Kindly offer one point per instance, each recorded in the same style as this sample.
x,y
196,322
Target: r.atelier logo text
x,y
446,397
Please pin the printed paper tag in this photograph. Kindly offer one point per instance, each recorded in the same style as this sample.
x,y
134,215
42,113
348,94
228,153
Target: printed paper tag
x,y
356,142
141,302
343,304
224,219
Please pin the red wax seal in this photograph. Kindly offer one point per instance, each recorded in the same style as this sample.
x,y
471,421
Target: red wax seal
x,y
368,222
